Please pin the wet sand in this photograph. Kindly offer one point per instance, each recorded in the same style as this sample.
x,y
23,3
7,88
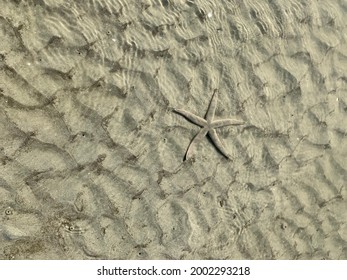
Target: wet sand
x,y
92,153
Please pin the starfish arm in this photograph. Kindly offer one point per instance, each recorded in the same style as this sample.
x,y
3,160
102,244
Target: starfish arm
x,y
218,143
226,122
191,117
198,137
212,107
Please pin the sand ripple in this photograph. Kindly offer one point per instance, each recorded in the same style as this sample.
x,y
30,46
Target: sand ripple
x,y
92,154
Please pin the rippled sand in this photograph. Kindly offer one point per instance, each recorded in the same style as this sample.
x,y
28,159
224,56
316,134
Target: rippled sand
x,y
91,152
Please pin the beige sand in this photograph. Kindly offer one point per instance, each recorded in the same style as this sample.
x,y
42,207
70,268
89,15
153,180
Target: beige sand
x,y
92,152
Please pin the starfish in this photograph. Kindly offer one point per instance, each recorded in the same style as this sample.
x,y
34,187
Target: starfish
x,y
208,126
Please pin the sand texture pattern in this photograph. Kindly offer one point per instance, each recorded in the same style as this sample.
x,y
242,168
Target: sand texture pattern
x,y
92,152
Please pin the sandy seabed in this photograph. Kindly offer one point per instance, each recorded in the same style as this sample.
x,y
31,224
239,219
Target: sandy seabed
x,y
92,153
